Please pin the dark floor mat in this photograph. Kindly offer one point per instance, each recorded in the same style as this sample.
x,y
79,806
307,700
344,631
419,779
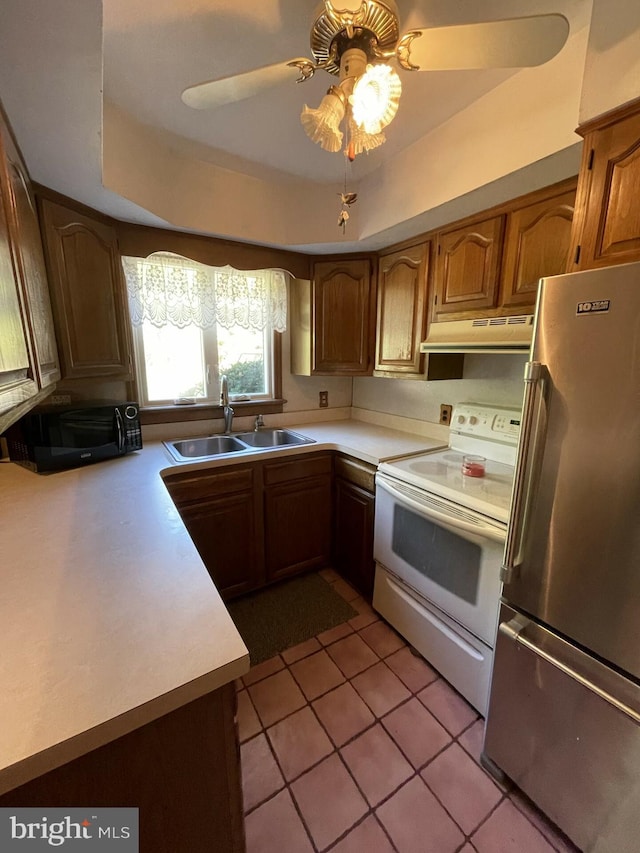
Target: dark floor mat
x,y
286,614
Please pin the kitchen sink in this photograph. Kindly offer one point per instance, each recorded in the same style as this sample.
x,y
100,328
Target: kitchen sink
x,y
272,438
197,448
208,447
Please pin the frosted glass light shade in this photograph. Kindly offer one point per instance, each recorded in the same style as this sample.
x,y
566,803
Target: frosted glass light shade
x,y
375,98
322,125
360,140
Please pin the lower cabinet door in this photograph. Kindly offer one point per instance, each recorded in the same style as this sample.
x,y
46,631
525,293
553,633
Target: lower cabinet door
x,y
225,532
353,536
297,526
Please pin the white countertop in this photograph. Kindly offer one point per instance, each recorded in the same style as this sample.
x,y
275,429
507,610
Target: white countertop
x,y
108,617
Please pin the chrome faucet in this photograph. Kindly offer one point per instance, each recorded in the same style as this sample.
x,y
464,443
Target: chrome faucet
x,y
258,423
227,411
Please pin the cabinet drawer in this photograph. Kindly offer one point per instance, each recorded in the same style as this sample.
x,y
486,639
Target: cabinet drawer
x,y
186,488
354,471
295,469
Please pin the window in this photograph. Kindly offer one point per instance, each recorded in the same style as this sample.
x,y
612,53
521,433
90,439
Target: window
x,y
193,323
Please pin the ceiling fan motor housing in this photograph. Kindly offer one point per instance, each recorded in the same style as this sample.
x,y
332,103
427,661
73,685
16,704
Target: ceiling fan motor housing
x,y
375,27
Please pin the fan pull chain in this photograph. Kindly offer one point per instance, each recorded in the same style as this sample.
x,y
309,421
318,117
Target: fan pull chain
x,y
346,198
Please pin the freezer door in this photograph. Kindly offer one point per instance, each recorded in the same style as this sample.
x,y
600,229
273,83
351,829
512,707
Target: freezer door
x,y
573,548
565,728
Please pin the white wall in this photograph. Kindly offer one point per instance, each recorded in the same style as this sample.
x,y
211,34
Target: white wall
x,y
612,67
496,379
528,118
301,392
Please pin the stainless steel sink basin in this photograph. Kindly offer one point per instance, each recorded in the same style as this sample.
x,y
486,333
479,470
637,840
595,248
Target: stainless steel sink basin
x,y
207,447
272,438
197,448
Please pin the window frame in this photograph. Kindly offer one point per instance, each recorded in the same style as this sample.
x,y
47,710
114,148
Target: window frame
x,y
171,413
211,365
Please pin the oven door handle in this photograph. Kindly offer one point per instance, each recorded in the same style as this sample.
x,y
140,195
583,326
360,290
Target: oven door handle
x,y
477,528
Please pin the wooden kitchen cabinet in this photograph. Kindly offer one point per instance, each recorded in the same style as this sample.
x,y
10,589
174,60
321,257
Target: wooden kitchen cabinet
x,y
468,268
28,352
297,514
222,510
491,267
17,382
537,243
354,512
607,222
333,319
30,264
88,293
402,310
258,522
403,280
181,771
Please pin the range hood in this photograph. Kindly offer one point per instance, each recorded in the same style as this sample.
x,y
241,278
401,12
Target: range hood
x,y
483,335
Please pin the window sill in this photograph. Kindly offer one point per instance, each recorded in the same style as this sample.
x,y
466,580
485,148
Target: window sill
x,y
208,411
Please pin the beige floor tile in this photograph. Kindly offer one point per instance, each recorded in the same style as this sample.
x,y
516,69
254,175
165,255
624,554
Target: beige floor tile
x,y
316,674
248,722
299,742
367,837
343,713
448,706
380,688
260,774
462,787
382,639
263,670
416,821
276,827
377,764
329,801
276,697
352,655
509,831
411,669
417,732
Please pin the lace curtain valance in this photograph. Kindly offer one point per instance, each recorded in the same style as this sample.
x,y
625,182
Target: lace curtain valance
x,y
167,289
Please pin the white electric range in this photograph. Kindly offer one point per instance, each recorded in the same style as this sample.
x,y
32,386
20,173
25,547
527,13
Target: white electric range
x,y
439,538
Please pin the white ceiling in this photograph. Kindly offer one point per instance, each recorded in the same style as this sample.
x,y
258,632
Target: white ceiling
x,y
153,49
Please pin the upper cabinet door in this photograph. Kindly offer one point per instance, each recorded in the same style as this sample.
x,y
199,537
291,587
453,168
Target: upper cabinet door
x,y
468,268
17,383
344,317
87,285
401,316
30,263
607,229
537,244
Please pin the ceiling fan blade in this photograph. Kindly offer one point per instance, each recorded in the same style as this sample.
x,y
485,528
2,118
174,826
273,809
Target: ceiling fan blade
x,y
517,42
226,90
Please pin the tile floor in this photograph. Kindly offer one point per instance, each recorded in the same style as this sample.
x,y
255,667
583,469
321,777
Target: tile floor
x,y
353,744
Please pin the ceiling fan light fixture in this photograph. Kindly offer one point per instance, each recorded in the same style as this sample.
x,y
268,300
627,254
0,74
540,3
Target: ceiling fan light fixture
x,y
360,141
322,125
375,98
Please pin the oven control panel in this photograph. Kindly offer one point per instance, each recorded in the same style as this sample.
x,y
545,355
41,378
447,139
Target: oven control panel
x,y
493,423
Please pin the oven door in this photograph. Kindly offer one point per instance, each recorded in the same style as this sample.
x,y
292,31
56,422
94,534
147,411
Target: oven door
x,y
451,556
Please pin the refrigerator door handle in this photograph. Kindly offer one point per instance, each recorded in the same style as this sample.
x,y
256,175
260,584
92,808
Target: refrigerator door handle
x,y
535,378
609,685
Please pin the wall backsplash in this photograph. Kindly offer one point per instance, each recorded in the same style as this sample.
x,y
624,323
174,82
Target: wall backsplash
x,y
496,379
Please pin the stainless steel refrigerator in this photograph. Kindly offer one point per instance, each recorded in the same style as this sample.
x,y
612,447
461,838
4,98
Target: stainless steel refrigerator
x,y
564,713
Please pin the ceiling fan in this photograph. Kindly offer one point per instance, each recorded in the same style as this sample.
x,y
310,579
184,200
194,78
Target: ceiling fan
x,y
361,43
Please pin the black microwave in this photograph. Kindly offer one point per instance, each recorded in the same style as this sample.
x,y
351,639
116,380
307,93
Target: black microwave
x,y
50,438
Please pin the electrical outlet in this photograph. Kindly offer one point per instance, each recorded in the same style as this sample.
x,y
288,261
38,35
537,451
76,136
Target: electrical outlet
x,y
445,414
60,399
323,399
